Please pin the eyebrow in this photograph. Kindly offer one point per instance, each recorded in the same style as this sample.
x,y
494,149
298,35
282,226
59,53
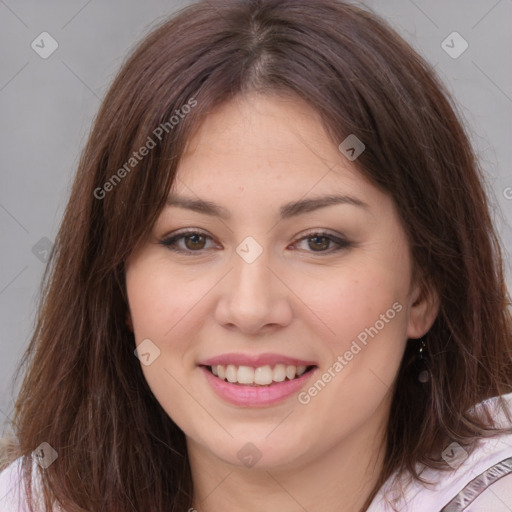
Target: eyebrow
x,y
286,211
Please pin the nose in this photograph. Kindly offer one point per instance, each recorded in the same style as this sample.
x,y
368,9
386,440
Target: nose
x,y
252,299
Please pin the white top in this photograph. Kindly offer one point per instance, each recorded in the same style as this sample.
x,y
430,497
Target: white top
x,y
12,488
481,482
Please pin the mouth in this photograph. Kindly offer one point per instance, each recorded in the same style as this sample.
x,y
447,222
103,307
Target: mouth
x,y
260,376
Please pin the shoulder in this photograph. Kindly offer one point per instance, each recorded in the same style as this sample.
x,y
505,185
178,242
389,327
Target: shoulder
x,y
479,481
497,497
12,487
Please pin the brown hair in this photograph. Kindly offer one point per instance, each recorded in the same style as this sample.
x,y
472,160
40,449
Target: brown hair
x,y
84,392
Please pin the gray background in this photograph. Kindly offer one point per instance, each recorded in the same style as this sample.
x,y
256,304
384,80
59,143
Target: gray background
x,y
48,104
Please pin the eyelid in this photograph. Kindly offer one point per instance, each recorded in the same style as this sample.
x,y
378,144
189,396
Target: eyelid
x,y
319,231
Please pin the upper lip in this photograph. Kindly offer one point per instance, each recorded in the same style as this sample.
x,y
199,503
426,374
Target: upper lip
x,y
255,360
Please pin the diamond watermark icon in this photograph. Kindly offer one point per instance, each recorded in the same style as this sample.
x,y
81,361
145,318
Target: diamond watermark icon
x,y
44,455
147,352
249,250
454,45
454,455
249,455
352,147
44,45
41,250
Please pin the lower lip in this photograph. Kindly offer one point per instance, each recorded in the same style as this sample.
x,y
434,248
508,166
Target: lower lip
x,y
253,396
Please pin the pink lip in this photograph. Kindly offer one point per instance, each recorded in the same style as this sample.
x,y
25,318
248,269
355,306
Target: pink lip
x,y
255,361
254,396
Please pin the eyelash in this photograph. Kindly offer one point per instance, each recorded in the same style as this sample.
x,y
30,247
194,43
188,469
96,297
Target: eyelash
x,y
171,242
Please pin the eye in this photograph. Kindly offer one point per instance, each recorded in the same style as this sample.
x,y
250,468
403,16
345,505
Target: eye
x,y
194,241
320,242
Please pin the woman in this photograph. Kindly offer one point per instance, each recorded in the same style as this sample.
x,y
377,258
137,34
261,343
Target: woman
x,y
276,284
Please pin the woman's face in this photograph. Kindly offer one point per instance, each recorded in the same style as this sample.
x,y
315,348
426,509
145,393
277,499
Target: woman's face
x,y
274,278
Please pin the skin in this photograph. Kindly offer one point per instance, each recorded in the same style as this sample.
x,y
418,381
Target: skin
x,y
298,298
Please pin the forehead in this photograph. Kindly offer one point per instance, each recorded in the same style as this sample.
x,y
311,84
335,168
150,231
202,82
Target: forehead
x,y
256,140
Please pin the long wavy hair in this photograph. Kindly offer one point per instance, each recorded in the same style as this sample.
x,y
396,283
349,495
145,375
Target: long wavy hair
x,y
83,390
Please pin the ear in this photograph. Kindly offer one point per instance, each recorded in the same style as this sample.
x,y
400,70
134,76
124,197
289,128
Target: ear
x,y
129,321
423,309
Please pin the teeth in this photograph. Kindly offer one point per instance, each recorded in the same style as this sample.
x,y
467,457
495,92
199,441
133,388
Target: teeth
x,y
245,375
231,373
262,376
279,373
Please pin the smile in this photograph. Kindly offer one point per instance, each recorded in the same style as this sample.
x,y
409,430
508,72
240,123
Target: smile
x,y
262,386
259,376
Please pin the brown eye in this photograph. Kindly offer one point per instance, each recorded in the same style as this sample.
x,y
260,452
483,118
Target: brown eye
x,y
318,243
190,242
323,243
194,242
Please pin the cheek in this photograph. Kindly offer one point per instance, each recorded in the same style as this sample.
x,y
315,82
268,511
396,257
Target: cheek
x,y
160,300
162,310
352,299
366,310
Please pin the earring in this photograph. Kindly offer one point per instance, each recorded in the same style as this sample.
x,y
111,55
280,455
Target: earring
x,y
424,375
